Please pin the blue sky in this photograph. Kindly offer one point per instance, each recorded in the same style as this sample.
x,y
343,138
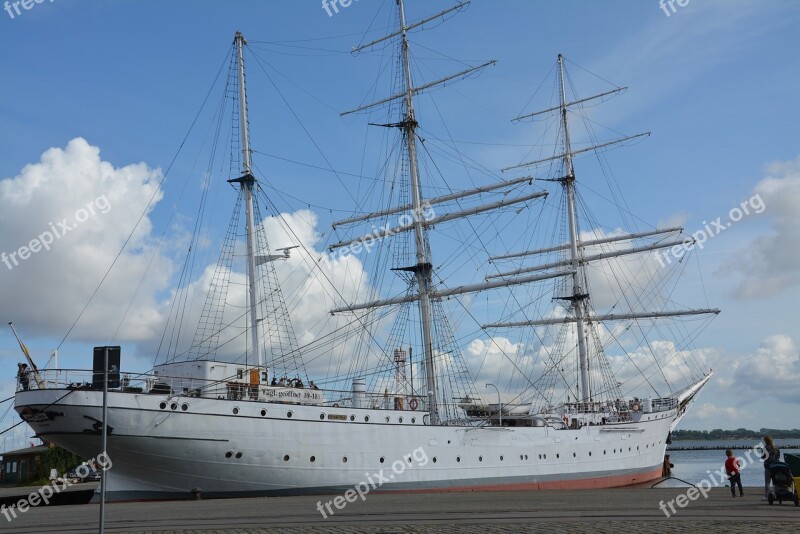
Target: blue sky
x,y
716,83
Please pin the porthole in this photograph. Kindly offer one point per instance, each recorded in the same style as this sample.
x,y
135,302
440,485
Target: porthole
x,y
521,457
544,456
540,456
382,459
558,455
174,406
434,459
313,459
399,419
286,458
590,453
615,450
526,456
573,455
458,458
344,459
352,417
238,455
263,413
236,411
387,418
414,420
162,405
228,454
629,449
289,414
604,451
366,419
409,460
480,458
322,416
184,406
501,458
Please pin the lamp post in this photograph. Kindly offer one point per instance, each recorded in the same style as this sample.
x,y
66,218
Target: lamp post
x,y
499,402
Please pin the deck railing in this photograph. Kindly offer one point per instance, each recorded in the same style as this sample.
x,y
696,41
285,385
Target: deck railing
x,y
232,388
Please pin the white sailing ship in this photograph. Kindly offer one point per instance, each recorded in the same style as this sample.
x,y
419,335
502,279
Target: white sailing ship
x,y
202,423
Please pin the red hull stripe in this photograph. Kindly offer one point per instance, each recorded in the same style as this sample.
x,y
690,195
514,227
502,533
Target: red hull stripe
x,y
615,481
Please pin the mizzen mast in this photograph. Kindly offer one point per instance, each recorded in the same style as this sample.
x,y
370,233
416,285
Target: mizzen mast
x,y
247,182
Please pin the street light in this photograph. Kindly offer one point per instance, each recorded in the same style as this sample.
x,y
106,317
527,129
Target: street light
x,y
499,403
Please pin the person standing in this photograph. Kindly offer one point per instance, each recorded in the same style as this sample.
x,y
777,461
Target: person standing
x,y
732,466
771,454
22,375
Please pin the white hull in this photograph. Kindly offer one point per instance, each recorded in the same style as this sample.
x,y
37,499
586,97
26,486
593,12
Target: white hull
x,y
164,453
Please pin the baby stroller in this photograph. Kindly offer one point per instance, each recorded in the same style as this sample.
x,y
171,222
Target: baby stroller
x,y
783,488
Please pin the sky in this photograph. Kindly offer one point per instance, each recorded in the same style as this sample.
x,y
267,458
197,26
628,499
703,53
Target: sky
x,y
97,97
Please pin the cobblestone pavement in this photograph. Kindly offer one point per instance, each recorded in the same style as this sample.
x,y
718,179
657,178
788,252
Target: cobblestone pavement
x,y
594,527
620,511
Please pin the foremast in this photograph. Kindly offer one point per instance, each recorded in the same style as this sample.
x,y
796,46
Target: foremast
x,y
247,183
579,298
423,267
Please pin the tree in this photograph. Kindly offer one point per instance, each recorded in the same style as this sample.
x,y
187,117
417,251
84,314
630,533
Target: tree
x,y
56,458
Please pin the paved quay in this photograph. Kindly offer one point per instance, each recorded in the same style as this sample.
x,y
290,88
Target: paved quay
x,y
628,510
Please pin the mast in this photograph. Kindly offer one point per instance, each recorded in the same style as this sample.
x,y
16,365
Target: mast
x,y
577,257
578,297
247,182
423,268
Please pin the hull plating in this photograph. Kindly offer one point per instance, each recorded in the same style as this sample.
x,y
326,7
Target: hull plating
x,y
167,446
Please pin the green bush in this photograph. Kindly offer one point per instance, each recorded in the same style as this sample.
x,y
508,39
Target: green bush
x,y
56,458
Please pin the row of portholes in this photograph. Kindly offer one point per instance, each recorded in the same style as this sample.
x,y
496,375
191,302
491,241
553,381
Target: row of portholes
x,y
382,459
173,406
231,454
236,411
185,407
352,417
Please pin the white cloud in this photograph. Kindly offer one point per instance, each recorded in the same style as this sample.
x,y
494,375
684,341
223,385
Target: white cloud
x,y
55,281
712,412
770,263
311,285
773,371
659,364
53,285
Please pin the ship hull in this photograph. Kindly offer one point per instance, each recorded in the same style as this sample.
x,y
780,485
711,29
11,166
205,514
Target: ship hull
x,y
167,447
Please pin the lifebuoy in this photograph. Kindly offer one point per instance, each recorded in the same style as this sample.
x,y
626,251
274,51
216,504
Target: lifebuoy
x,y
635,407
413,403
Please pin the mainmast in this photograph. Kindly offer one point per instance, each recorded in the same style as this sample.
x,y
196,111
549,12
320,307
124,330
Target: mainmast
x,y
419,206
423,268
578,296
247,183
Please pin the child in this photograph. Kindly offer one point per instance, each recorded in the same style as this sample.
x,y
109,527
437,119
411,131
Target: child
x,y
732,465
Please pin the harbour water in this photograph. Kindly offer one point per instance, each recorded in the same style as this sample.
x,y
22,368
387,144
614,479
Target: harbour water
x,y
694,465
